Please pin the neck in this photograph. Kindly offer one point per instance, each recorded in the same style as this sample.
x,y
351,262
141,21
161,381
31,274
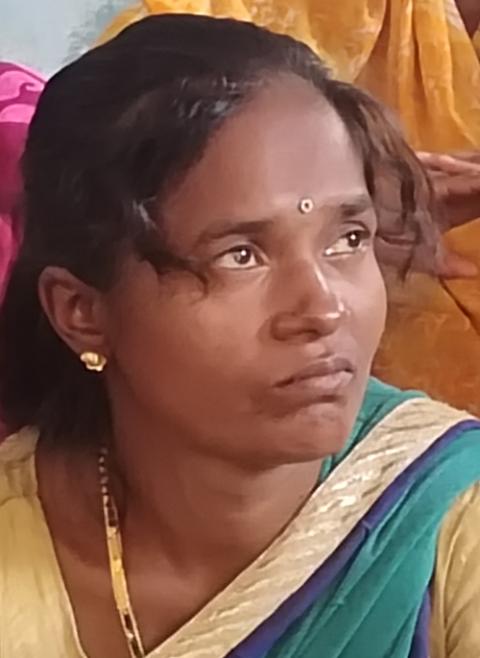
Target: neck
x,y
200,511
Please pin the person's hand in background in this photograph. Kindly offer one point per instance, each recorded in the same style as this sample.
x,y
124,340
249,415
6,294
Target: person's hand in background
x,y
456,181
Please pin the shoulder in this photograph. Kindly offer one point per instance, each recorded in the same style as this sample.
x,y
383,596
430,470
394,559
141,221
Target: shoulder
x,y
33,601
411,416
381,399
17,466
412,408
456,585
461,527
18,504
409,409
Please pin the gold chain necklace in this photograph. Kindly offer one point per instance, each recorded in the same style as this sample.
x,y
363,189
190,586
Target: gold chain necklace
x,y
113,539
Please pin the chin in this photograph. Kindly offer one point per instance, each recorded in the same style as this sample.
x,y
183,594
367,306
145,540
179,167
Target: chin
x,y
311,437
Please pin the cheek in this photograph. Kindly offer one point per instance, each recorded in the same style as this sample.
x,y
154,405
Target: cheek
x,y
366,298
183,348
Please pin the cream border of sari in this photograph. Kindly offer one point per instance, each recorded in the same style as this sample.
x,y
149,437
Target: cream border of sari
x,y
318,530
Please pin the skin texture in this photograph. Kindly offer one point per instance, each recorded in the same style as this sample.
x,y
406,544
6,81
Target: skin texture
x,y
212,458
456,178
456,181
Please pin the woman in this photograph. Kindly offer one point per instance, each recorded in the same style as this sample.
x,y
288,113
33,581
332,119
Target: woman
x,y
199,464
421,58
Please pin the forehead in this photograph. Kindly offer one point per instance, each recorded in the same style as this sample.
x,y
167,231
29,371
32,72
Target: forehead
x,y
287,142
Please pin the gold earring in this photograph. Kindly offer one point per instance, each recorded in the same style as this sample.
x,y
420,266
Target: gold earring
x,y
93,361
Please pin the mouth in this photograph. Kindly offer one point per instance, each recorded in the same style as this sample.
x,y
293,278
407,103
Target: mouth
x,y
321,381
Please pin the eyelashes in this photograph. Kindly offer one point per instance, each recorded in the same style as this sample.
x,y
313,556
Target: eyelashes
x,y
350,243
248,256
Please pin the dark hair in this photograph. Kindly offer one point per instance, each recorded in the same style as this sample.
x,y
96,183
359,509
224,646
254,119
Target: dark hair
x,y
112,133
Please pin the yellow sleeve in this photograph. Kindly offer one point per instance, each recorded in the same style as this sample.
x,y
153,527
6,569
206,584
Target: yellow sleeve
x,y
455,628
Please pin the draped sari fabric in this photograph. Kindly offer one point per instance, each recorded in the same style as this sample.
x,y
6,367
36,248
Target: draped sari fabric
x,y
350,576
376,585
19,92
416,56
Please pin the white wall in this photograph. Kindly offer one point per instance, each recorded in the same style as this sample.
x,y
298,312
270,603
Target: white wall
x,y
45,34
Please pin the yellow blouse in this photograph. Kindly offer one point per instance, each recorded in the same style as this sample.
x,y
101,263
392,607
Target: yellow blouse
x,y
36,617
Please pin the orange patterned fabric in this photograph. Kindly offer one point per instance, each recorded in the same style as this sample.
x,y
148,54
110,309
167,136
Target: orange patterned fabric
x,y
417,57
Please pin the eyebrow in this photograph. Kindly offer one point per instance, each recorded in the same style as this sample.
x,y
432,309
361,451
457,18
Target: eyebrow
x,y
357,205
347,209
234,227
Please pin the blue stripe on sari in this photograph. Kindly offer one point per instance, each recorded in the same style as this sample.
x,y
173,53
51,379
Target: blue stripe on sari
x,y
272,629
421,638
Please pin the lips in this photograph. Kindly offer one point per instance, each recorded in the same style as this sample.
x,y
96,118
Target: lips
x,y
324,380
323,368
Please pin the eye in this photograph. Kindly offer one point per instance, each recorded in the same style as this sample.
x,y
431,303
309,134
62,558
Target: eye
x,y
242,257
350,243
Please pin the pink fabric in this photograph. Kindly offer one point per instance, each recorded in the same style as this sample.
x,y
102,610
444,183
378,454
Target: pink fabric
x,y
20,89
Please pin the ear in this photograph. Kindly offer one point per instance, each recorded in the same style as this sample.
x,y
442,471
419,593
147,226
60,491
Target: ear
x,y
75,310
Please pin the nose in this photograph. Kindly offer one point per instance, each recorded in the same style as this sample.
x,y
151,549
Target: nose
x,y
310,308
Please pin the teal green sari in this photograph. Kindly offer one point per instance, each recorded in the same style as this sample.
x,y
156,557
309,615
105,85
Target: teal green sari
x,y
350,576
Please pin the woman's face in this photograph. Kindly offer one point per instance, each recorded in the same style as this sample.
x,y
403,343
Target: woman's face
x,y
269,363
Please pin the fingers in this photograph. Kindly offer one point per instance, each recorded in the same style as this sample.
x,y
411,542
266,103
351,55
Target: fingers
x,y
449,164
467,185
456,183
467,156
